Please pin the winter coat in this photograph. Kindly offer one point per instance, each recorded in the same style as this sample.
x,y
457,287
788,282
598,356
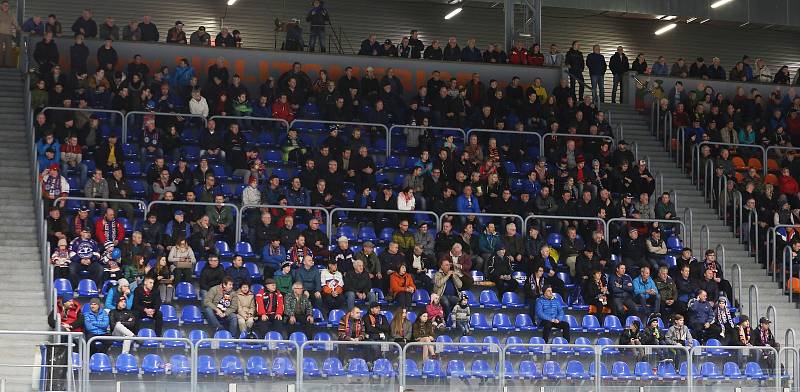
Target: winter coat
x,y
96,323
549,309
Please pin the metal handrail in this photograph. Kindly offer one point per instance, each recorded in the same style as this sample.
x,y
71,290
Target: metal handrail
x,y
551,135
459,130
91,110
240,217
238,235
737,217
696,151
750,239
722,198
707,243
661,221
774,317
794,370
787,251
736,271
71,343
524,228
101,200
688,215
673,195
132,113
563,217
384,346
750,308
655,112
667,122
251,118
699,350
371,210
490,348
720,251
357,124
775,148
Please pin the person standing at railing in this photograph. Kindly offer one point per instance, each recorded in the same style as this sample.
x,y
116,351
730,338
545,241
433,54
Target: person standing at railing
x,y
317,16
596,63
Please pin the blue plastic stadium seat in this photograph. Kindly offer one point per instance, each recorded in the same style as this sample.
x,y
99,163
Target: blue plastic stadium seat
x,y
411,369
88,288
252,269
283,367
666,371
674,244
180,364
245,250
471,300
332,367
383,368
231,365
709,371
420,297
607,342
539,343
334,316
138,188
752,370
501,322
63,286
715,352
223,250
100,363
185,291
152,364
516,349
529,371
583,350
126,364
456,368
589,323
512,300
468,348
603,370
225,342
310,368
576,371
196,334
612,324
731,371
572,322
447,346
631,319
558,349
684,369
206,365
147,333
643,371
479,322
432,368
554,240
169,313
191,314
411,316
174,334
367,233
621,371
357,367
523,322
552,371
508,370
488,299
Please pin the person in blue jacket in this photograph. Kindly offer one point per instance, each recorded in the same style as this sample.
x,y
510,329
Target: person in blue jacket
x,y
273,255
468,202
645,290
620,285
701,319
183,74
122,289
550,314
309,276
95,323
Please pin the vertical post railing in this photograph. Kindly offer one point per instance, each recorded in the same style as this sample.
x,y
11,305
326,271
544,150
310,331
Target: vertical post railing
x,y
688,216
243,209
720,251
787,282
774,317
237,236
736,271
750,299
752,240
333,215
705,240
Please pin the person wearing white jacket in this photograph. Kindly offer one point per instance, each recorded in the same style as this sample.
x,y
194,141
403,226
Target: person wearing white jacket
x,y
405,200
198,104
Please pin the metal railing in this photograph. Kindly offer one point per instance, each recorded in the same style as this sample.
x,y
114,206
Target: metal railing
x,y
489,350
401,128
388,135
772,247
243,209
752,242
698,146
787,283
333,215
720,251
705,244
634,220
237,235
251,118
774,318
688,216
89,110
790,351
556,136
750,299
128,116
736,280
523,229
562,218
712,350
73,340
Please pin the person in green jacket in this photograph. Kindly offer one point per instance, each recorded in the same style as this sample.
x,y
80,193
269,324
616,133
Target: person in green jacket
x,y
283,278
220,217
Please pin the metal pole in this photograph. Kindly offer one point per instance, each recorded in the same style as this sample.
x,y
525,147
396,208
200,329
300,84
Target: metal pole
x,y
508,21
736,270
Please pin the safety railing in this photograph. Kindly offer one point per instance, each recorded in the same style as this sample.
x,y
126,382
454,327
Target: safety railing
x,y
387,370
698,146
439,132
722,196
240,217
776,148
705,240
623,221
790,362
750,299
522,229
772,315
736,280
712,375
487,352
90,111
554,137
736,214
599,221
246,119
720,251
371,126
237,212
290,370
334,215
772,246
522,135
73,340
143,205
129,115
667,365
787,281
688,216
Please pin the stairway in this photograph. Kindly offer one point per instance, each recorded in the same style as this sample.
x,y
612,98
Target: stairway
x,y
636,129
22,300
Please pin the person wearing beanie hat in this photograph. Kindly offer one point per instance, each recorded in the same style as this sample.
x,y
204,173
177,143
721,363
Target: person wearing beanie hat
x,y
60,260
461,314
54,185
724,321
499,270
274,257
122,322
121,290
283,278
652,333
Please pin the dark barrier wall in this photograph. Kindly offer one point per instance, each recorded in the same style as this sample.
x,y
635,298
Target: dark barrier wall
x,y
255,66
726,87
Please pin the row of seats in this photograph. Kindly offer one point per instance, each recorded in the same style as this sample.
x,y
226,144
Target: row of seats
x,y
231,365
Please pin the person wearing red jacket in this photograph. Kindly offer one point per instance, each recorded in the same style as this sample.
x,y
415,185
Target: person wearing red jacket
x,y
69,312
282,110
518,54
535,56
788,186
109,228
269,308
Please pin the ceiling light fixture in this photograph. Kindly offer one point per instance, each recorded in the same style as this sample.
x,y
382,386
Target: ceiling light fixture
x,y
453,13
704,21
666,28
671,17
660,16
690,20
231,2
720,3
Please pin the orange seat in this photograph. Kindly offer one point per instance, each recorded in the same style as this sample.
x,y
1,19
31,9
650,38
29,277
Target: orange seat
x,y
739,177
738,162
794,283
772,165
754,163
674,144
771,179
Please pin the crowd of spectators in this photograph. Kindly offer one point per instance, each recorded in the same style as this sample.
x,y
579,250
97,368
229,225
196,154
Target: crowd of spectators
x,y
627,271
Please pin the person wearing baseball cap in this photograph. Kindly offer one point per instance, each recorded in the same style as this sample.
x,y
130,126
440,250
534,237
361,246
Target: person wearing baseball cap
x,y
176,35
764,337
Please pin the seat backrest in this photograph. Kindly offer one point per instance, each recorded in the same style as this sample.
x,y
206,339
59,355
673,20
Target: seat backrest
x,y
590,321
621,368
708,369
575,367
528,368
551,368
731,369
501,319
523,320
642,369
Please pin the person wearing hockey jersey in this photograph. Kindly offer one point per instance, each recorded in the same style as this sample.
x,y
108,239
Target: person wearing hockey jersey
x,y
85,259
111,259
332,287
109,228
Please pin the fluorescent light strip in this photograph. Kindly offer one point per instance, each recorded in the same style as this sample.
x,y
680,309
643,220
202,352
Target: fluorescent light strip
x,y
660,16
690,20
231,2
720,3
666,28
453,13
704,21
671,17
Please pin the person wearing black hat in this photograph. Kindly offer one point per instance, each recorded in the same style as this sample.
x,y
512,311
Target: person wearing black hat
x,y
633,249
376,326
764,337
499,270
176,35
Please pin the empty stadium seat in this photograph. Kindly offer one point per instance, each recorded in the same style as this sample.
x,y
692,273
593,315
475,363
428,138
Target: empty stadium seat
x,y
512,300
88,288
731,371
529,371
147,333
523,322
501,322
100,363
185,291
420,297
612,324
478,321
621,371
168,313
432,368
576,371
231,365
488,299
174,334
383,368
411,370
225,340
191,314
357,367
206,365
643,371
310,368
332,367
589,323
126,364
152,364
456,368
551,370
180,365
